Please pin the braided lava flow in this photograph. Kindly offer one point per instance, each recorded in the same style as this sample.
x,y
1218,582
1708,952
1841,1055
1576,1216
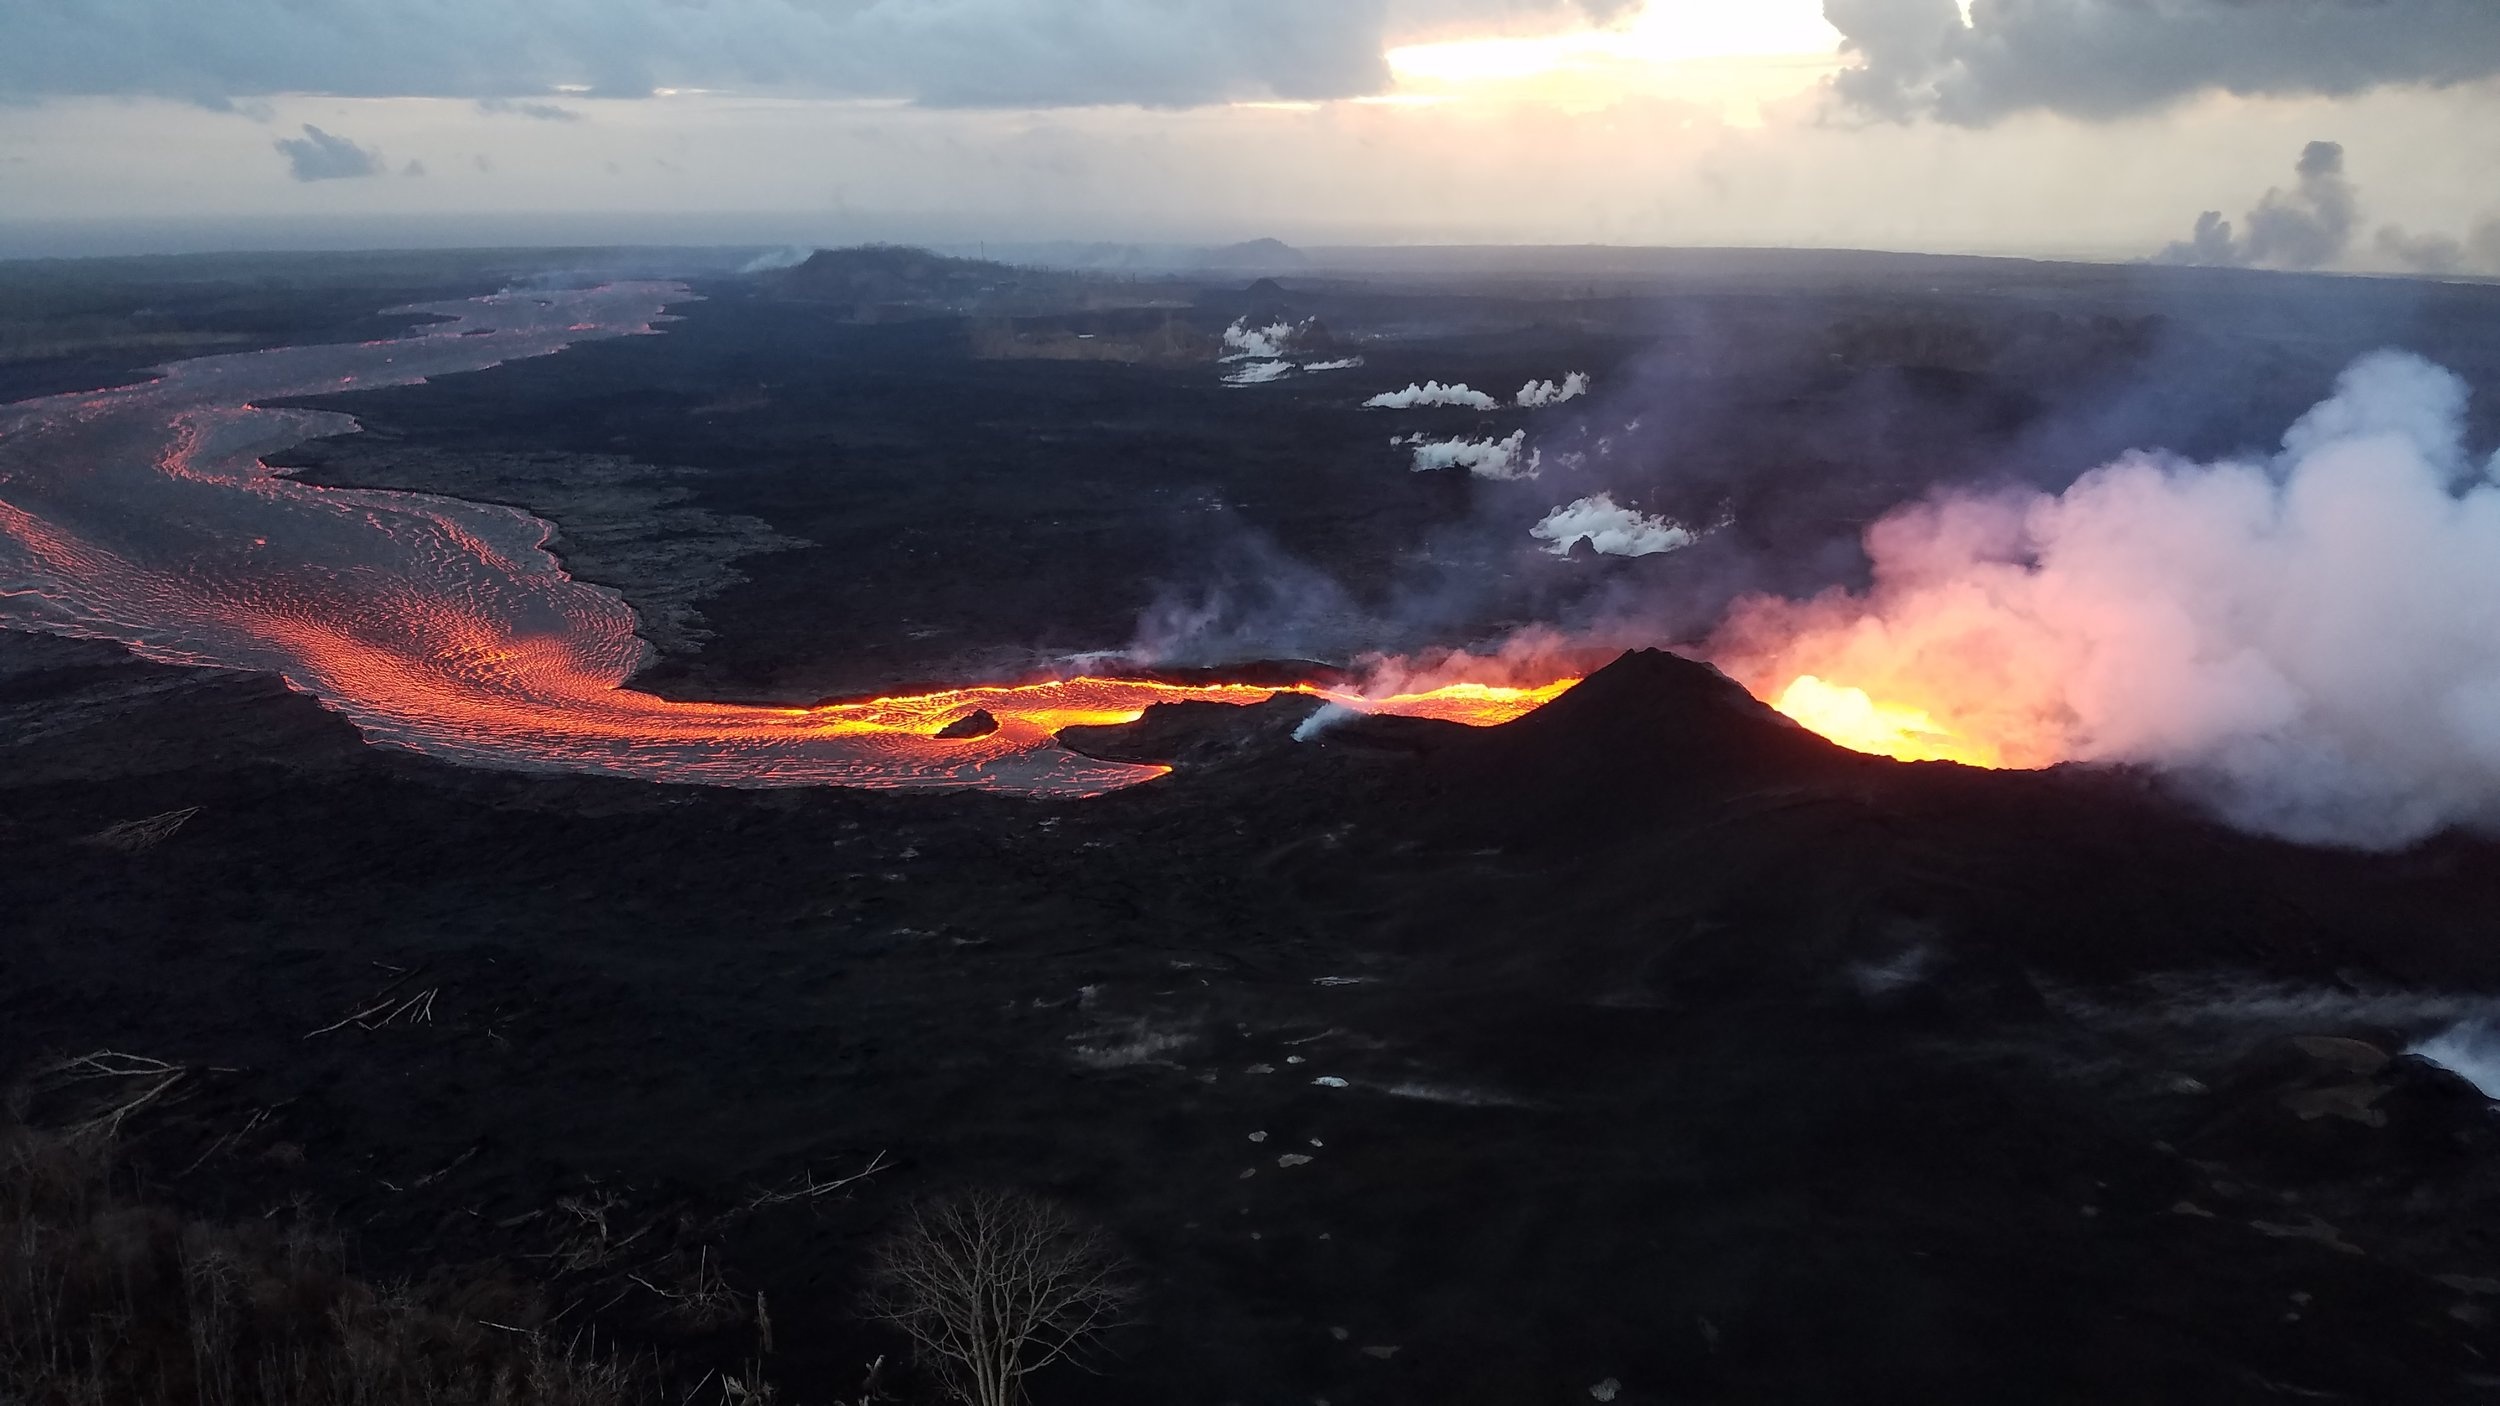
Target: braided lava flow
x,y
145,515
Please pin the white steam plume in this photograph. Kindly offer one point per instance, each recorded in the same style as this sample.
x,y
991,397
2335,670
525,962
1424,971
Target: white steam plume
x,y
2471,1049
1257,373
1611,530
1485,458
1430,393
789,257
1243,342
1536,395
2310,642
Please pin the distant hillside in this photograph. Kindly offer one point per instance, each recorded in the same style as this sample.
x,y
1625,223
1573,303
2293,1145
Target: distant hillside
x,y
886,282
1256,256
894,273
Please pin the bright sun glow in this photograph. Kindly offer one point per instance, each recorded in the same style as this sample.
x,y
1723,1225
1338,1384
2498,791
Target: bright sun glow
x,y
1707,50
1855,721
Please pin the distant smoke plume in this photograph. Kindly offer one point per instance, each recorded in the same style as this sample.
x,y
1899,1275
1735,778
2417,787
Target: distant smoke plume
x,y
2478,252
1252,601
325,156
1608,529
785,258
1430,393
2306,227
2309,643
1536,395
1485,458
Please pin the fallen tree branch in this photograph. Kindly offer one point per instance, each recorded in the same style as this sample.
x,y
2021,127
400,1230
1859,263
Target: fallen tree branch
x,y
809,1189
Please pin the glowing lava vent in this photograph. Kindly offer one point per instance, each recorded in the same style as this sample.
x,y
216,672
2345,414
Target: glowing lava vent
x,y
1860,723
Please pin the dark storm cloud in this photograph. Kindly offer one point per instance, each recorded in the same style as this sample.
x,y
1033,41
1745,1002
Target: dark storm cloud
x,y
2098,59
2307,226
938,52
325,156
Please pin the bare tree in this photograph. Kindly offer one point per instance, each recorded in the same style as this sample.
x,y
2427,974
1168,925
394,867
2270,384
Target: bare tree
x,y
993,1285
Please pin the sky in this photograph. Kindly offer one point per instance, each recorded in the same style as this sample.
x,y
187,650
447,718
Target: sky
x,y
2349,134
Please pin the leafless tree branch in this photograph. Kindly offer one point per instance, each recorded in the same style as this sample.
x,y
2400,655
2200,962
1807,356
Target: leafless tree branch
x,y
995,1285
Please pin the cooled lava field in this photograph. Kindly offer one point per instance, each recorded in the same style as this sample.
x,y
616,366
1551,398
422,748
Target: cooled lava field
x,y
1645,1047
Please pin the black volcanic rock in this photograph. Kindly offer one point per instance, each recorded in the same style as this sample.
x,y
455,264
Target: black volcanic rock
x,y
1648,733
980,722
1195,734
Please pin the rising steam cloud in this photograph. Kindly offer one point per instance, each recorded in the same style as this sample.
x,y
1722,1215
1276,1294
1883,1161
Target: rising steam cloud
x,y
2310,643
1485,458
1431,393
1243,341
1608,529
1536,395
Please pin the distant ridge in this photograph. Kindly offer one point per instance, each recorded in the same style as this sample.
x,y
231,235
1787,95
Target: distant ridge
x,y
889,273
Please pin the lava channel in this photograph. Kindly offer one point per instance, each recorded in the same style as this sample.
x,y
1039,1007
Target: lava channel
x,y
145,515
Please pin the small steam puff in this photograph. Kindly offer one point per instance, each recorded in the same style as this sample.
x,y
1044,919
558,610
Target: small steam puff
x,y
771,259
1611,530
1328,715
1258,373
2311,644
1243,342
1485,458
1431,393
1536,395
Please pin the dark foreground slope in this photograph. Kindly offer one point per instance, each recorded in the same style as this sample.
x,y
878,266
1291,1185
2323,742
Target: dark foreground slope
x,y
1646,1039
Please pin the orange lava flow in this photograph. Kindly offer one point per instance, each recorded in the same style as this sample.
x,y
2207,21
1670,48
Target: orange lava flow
x,y
145,515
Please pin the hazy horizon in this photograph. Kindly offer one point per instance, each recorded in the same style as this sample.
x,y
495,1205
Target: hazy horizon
x,y
2070,129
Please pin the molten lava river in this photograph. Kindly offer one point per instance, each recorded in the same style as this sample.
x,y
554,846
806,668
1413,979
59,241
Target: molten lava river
x,y
145,515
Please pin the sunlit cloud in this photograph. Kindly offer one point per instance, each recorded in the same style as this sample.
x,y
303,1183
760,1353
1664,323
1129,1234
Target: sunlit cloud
x,y
1734,58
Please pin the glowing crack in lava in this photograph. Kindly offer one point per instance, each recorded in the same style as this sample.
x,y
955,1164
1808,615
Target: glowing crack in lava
x,y
144,515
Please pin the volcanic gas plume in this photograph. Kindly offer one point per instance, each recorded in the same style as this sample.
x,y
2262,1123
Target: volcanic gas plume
x,y
145,515
2309,641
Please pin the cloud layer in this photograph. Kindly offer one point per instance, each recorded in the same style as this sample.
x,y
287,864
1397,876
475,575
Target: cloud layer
x,y
1012,53
2099,59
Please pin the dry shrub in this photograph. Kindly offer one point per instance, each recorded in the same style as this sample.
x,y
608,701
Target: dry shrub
x,y
108,1300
